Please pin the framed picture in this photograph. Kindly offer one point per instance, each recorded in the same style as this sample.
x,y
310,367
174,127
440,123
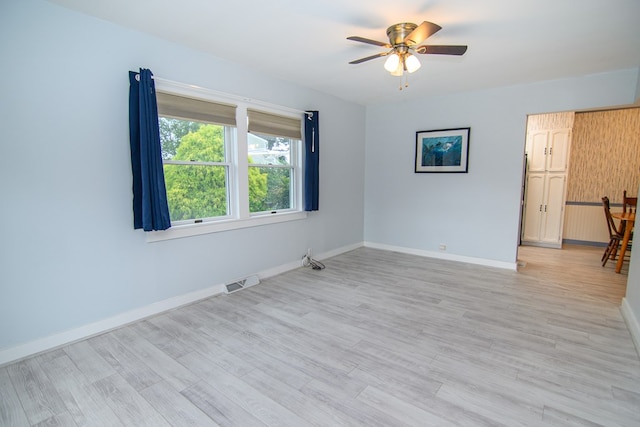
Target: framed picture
x,y
442,150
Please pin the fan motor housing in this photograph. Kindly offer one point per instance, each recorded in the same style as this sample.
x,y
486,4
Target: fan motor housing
x,y
404,39
398,32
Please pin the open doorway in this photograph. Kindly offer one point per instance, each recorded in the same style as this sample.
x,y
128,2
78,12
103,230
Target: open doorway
x,y
604,160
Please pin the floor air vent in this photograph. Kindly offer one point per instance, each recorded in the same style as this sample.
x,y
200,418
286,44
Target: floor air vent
x,y
241,284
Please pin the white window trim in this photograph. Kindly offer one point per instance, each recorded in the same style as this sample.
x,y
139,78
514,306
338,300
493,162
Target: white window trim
x,y
188,230
296,177
239,208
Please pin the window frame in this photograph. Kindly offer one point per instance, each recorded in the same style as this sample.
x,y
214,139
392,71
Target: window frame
x,y
229,167
237,186
295,185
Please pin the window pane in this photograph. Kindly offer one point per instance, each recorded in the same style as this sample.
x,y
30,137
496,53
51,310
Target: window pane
x,y
197,191
269,150
269,188
191,141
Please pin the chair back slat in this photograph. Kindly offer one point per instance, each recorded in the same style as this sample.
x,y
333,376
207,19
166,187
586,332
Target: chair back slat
x,y
629,203
614,231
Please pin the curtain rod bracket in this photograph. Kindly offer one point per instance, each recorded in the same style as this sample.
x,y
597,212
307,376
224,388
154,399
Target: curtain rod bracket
x,y
138,77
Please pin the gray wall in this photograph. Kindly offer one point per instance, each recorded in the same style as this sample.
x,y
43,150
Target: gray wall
x,y
69,254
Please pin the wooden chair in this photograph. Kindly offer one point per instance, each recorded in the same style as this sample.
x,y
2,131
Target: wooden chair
x,y
629,203
616,233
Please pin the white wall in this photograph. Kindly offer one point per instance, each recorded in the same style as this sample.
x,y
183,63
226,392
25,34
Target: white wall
x,y
475,214
69,254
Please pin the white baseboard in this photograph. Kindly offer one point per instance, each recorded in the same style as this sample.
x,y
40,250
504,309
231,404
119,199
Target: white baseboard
x,y
446,256
298,263
51,342
632,323
338,251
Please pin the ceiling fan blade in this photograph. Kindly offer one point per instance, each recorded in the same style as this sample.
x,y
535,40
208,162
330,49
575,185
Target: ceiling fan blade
x,y
441,49
369,41
368,58
422,32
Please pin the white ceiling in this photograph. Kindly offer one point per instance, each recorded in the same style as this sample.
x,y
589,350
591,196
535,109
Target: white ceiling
x,y
510,41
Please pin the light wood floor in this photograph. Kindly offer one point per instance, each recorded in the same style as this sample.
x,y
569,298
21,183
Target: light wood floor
x,y
376,339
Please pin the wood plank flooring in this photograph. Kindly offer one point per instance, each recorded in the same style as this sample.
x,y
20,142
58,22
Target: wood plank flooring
x,y
376,339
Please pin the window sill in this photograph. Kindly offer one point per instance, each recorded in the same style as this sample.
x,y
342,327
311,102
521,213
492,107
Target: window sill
x,y
188,230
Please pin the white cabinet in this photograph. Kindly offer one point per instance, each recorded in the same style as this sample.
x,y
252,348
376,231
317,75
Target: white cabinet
x,y
544,209
548,150
545,189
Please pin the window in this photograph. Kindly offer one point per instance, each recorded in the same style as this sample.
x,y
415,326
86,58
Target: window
x,y
271,173
210,185
273,145
196,169
196,136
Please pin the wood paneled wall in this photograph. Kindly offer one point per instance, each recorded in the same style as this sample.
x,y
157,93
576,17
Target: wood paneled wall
x,y
605,155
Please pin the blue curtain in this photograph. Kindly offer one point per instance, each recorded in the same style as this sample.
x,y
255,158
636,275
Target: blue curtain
x,y
311,161
150,207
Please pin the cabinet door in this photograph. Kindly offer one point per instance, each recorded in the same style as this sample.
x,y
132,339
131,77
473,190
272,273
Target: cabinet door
x,y
553,210
558,150
533,207
537,151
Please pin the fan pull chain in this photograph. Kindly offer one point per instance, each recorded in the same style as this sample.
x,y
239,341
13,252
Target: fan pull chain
x,y
404,79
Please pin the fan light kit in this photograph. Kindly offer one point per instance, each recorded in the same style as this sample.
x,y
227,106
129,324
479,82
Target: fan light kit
x,y
403,39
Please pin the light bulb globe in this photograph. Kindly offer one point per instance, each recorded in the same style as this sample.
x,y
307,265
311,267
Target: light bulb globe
x,y
399,71
412,63
391,64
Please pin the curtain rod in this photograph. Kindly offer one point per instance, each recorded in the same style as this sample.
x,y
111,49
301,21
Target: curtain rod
x,y
309,114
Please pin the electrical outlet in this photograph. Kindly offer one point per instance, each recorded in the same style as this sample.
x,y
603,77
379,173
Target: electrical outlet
x,y
442,247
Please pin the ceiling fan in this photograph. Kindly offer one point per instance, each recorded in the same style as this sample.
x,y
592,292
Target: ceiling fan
x,y
404,39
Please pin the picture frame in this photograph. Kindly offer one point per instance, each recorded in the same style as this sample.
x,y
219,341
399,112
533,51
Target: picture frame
x,y
442,151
